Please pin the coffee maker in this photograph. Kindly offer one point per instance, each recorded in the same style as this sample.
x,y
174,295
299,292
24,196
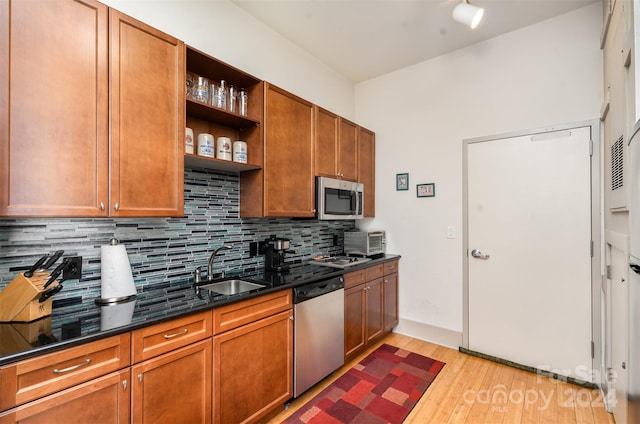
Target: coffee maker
x,y
274,249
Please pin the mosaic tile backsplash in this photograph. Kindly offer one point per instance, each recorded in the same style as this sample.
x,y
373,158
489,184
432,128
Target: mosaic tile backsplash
x,y
162,250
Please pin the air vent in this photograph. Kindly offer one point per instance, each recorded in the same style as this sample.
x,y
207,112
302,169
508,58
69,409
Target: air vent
x,y
617,164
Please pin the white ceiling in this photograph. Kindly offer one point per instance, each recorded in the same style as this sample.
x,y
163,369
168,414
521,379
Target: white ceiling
x,y
362,39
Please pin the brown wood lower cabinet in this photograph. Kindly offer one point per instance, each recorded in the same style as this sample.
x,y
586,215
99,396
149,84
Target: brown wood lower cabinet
x,y
390,290
363,312
371,306
253,360
253,368
102,400
174,387
44,375
172,372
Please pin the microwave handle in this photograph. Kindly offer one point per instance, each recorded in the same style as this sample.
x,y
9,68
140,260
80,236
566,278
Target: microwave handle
x,y
354,199
355,192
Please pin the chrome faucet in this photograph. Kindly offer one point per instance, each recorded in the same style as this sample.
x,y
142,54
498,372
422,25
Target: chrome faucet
x,y
213,255
197,274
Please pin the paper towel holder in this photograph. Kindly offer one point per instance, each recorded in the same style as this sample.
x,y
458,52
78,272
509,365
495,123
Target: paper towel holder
x,y
114,300
130,285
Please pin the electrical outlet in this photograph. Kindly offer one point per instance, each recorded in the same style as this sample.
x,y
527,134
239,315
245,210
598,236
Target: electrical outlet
x,y
73,271
253,249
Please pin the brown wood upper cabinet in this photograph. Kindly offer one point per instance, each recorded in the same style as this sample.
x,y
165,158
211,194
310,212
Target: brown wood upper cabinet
x,y
285,187
147,120
336,146
367,169
57,157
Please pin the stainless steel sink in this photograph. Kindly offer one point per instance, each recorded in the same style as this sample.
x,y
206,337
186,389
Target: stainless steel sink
x,y
230,287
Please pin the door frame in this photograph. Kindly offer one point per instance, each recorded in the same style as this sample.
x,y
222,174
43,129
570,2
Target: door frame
x,y
597,229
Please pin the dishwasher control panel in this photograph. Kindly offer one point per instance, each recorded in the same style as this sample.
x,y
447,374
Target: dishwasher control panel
x,y
309,291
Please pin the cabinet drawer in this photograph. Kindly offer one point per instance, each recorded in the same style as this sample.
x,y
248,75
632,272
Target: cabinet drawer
x,y
101,400
390,267
374,272
232,316
41,376
354,278
161,338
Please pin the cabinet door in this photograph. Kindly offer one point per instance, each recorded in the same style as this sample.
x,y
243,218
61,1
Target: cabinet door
x,y
147,120
174,387
253,369
390,293
288,168
367,169
326,143
348,151
374,309
354,319
53,108
102,400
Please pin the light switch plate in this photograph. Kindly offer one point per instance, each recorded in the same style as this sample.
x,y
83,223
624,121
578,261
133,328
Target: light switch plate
x,y
451,232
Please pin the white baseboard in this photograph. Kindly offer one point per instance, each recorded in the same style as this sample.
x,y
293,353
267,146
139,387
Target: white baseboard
x,y
429,333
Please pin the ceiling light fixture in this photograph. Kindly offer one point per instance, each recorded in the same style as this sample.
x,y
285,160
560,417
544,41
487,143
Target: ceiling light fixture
x,y
468,14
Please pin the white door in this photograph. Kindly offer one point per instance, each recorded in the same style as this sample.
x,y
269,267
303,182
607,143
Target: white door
x,y
529,221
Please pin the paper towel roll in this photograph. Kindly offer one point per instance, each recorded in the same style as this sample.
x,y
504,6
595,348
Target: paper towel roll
x,y
117,280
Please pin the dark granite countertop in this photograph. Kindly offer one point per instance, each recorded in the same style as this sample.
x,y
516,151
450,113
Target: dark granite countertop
x,y
76,324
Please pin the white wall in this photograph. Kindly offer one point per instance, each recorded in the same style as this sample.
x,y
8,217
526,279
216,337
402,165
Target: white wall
x,y
228,33
545,74
549,73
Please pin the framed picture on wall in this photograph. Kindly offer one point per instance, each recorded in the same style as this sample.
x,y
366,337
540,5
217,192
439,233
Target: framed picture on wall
x,y
426,190
402,181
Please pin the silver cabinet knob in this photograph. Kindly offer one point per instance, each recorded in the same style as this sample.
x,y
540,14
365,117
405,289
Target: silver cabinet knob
x,y
116,207
101,206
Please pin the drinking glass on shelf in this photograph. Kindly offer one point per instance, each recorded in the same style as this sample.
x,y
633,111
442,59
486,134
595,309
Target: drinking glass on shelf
x,y
243,100
221,95
190,83
201,92
232,101
212,93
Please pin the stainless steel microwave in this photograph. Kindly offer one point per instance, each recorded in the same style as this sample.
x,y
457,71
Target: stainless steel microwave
x,y
339,199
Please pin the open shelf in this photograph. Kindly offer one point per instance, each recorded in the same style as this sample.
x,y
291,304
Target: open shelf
x,y
217,164
211,113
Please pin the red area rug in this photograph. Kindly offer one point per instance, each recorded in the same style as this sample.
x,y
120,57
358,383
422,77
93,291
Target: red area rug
x,y
382,388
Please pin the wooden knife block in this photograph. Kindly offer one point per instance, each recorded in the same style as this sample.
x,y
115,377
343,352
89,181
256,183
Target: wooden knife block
x,y
19,300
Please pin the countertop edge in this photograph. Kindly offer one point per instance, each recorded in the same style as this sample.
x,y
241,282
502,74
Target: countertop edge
x,y
80,340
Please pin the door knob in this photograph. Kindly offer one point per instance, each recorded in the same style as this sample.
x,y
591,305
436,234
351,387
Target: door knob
x,y
478,254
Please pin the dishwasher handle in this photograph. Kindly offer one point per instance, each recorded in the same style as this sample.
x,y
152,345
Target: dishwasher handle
x,y
312,290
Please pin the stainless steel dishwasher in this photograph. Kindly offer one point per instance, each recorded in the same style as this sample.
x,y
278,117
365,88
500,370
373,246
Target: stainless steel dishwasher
x,y
318,344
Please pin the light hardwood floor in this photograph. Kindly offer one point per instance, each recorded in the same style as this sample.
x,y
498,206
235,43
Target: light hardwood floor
x,y
471,390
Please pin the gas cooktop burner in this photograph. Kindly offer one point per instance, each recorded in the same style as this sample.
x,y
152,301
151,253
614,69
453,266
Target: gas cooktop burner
x,y
338,261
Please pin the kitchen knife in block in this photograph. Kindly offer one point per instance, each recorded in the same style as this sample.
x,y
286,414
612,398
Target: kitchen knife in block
x,y
38,264
52,260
